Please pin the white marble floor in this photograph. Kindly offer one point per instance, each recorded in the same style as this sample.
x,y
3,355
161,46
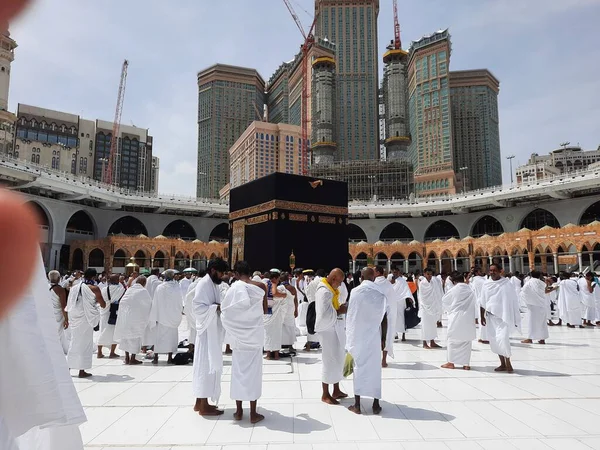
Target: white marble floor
x,y
551,402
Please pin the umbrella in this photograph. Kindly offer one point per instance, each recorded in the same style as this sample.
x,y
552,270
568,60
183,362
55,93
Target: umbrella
x,y
175,271
190,269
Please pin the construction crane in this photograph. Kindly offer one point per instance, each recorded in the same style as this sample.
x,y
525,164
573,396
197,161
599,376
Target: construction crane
x,y
309,40
397,41
112,173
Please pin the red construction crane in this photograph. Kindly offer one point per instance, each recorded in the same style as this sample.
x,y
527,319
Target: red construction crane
x,y
309,40
397,41
112,173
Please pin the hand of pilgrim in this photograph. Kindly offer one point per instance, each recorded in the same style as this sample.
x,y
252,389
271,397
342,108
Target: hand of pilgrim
x,y
18,230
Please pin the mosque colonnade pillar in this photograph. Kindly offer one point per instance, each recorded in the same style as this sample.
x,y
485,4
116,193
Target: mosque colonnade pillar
x,y
555,258
580,260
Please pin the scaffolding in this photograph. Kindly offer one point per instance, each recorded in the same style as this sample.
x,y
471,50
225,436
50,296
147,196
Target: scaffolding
x,y
370,179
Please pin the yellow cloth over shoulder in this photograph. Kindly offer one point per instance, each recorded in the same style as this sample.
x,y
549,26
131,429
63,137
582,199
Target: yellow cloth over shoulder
x,y
335,292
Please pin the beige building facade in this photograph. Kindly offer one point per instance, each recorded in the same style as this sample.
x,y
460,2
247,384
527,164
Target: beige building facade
x,y
264,148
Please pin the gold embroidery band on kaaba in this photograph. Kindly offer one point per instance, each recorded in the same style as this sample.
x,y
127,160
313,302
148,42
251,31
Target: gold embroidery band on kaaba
x,y
289,206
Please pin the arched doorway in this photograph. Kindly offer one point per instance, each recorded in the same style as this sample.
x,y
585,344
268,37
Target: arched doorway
x,y
361,261
120,260
96,259
129,226
415,263
462,261
181,261
80,227
396,232
356,234
180,229
442,229
447,262
432,262
220,233
160,262
539,218
487,225
77,263
398,260
141,259
591,214
381,260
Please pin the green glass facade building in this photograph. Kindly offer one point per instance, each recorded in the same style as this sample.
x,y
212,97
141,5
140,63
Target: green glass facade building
x,y
352,26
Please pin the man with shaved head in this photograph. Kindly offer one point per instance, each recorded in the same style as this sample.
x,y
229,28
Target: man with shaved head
x,y
365,315
330,327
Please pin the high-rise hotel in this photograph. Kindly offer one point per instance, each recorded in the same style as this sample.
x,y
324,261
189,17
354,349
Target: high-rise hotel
x,y
431,150
352,26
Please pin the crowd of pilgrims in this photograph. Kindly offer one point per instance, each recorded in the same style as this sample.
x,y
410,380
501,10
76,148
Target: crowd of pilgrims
x,y
353,318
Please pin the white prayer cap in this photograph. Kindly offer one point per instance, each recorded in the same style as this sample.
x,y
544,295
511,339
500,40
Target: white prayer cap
x,y
390,276
256,278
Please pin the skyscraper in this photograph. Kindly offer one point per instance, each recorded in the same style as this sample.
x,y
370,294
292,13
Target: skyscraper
x,y
395,94
430,115
7,120
230,98
475,130
352,26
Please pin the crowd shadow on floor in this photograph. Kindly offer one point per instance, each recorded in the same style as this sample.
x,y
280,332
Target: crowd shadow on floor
x,y
524,372
109,378
389,411
412,366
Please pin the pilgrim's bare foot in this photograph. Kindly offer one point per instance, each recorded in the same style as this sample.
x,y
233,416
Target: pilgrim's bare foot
x,y
466,367
330,400
433,344
376,408
500,369
354,409
238,415
84,374
448,366
543,341
255,418
527,341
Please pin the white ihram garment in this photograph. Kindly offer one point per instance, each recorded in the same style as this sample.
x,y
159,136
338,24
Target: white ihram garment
x,y
476,284
242,317
208,356
149,334
391,312
533,294
597,299
83,317
289,321
365,313
402,294
569,302
274,323
459,302
165,316
134,315
57,308
332,335
500,301
311,293
184,284
188,310
107,331
588,300
430,306
302,305
39,407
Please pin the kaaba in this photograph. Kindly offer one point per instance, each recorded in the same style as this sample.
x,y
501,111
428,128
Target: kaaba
x,y
285,221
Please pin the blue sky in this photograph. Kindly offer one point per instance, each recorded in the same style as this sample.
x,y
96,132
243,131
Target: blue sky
x,y
544,52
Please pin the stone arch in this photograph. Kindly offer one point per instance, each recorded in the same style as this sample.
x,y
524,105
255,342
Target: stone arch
x,y
397,259
396,231
356,233
442,229
220,233
180,229
463,262
487,225
142,258
161,259
361,260
96,258
181,260
44,220
81,225
591,214
381,259
77,261
432,261
120,258
415,262
128,225
539,218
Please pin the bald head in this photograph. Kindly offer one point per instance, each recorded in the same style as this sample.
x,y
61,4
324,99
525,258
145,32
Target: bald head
x,y
114,278
335,278
141,280
368,274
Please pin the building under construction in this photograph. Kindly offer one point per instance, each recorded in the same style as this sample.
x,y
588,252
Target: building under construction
x,y
370,179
